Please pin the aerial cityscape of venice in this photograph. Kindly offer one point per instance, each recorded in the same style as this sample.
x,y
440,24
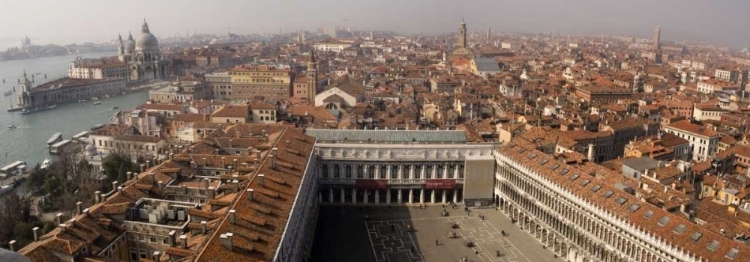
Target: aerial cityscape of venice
x,y
374,131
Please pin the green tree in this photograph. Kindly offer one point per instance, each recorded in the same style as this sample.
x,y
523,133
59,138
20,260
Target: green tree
x,y
22,231
52,186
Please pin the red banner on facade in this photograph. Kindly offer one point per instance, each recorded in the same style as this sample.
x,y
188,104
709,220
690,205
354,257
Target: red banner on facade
x,y
440,184
371,184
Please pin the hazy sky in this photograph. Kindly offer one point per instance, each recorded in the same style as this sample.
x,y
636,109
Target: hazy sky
x,y
61,22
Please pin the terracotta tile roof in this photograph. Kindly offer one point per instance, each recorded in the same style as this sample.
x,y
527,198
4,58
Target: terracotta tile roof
x,y
693,128
659,223
233,111
260,223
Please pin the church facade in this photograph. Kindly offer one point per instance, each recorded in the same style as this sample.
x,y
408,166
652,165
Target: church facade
x,y
145,61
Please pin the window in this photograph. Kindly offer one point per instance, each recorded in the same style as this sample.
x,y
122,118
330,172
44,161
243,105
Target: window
x,y
695,236
585,182
648,214
732,254
555,166
620,200
574,177
133,254
596,188
543,161
394,172
608,194
633,207
152,240
563,171
360,172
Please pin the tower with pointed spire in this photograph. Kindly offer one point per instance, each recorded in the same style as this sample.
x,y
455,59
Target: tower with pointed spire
x,y
462,35
312,78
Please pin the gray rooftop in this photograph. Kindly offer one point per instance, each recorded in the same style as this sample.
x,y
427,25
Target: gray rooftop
x,y
487,64
423,136
641,163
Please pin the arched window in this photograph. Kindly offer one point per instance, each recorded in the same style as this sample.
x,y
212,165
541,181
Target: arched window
x,y
324,171
336,171
461,171
394,172
371,172
348,171
360,171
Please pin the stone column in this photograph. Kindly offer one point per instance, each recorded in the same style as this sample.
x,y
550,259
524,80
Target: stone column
x,y
445,195
365,171
330,195
411,196
445,171
432,197
388,196
377,171
411,172
367,193
422,172
399,196
400,172
433,174
377,196
421,196
455,196
354,195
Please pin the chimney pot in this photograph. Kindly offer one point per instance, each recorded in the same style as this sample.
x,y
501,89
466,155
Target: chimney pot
x,y
183,241
12,245
160,184
231,216
143,168
273,164
234,163
172,235
157,254
79,207
58,218
86,212
97,196
130,175
114,185
148,163
36,233
204,226
261,179
250,192
119,189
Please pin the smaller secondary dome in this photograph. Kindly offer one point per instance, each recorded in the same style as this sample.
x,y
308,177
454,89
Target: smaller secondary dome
x,y
91,150
129,44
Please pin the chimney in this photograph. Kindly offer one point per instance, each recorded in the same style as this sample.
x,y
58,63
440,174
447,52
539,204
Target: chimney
x,y
172,238
12,245
257,154
234,163
58,218
143,168
114,185
183,241
97,196
591,152
171,156
226,241
273,163
153,178
79,207
261,177
119,189
204,226
104,197
231,216
148,163
157,254
130,175
249,193
160,184
36,233
223,163
86,212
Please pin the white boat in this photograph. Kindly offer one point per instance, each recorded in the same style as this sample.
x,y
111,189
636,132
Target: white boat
x,y
57,137
12,127
45,163
6,188
97,103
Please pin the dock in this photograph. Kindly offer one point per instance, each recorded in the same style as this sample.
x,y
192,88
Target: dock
x,y
59,146
57,137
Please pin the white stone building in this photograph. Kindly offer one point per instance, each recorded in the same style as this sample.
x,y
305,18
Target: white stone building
x,y
703,141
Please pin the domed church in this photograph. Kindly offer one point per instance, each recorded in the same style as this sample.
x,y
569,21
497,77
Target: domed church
x,y
143,56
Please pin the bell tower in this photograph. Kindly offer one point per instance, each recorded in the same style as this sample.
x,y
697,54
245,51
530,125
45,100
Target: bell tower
x,y
312,78
462,34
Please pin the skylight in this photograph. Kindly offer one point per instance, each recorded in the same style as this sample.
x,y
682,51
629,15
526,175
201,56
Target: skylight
x,y
563,171
532,155
648,214
732,254
633,207
663,221
596,188
543,161
574,177
679,229
620,200
521,150
555,166
585,182
695,236
608,193
714,245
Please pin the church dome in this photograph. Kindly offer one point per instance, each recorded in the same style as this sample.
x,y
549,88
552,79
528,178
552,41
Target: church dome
x,y
129,45
146,41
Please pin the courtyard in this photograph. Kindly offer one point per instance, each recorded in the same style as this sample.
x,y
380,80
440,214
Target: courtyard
x,y
412,234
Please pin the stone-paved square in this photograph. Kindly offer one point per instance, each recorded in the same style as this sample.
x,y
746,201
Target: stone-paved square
x,y
382,234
